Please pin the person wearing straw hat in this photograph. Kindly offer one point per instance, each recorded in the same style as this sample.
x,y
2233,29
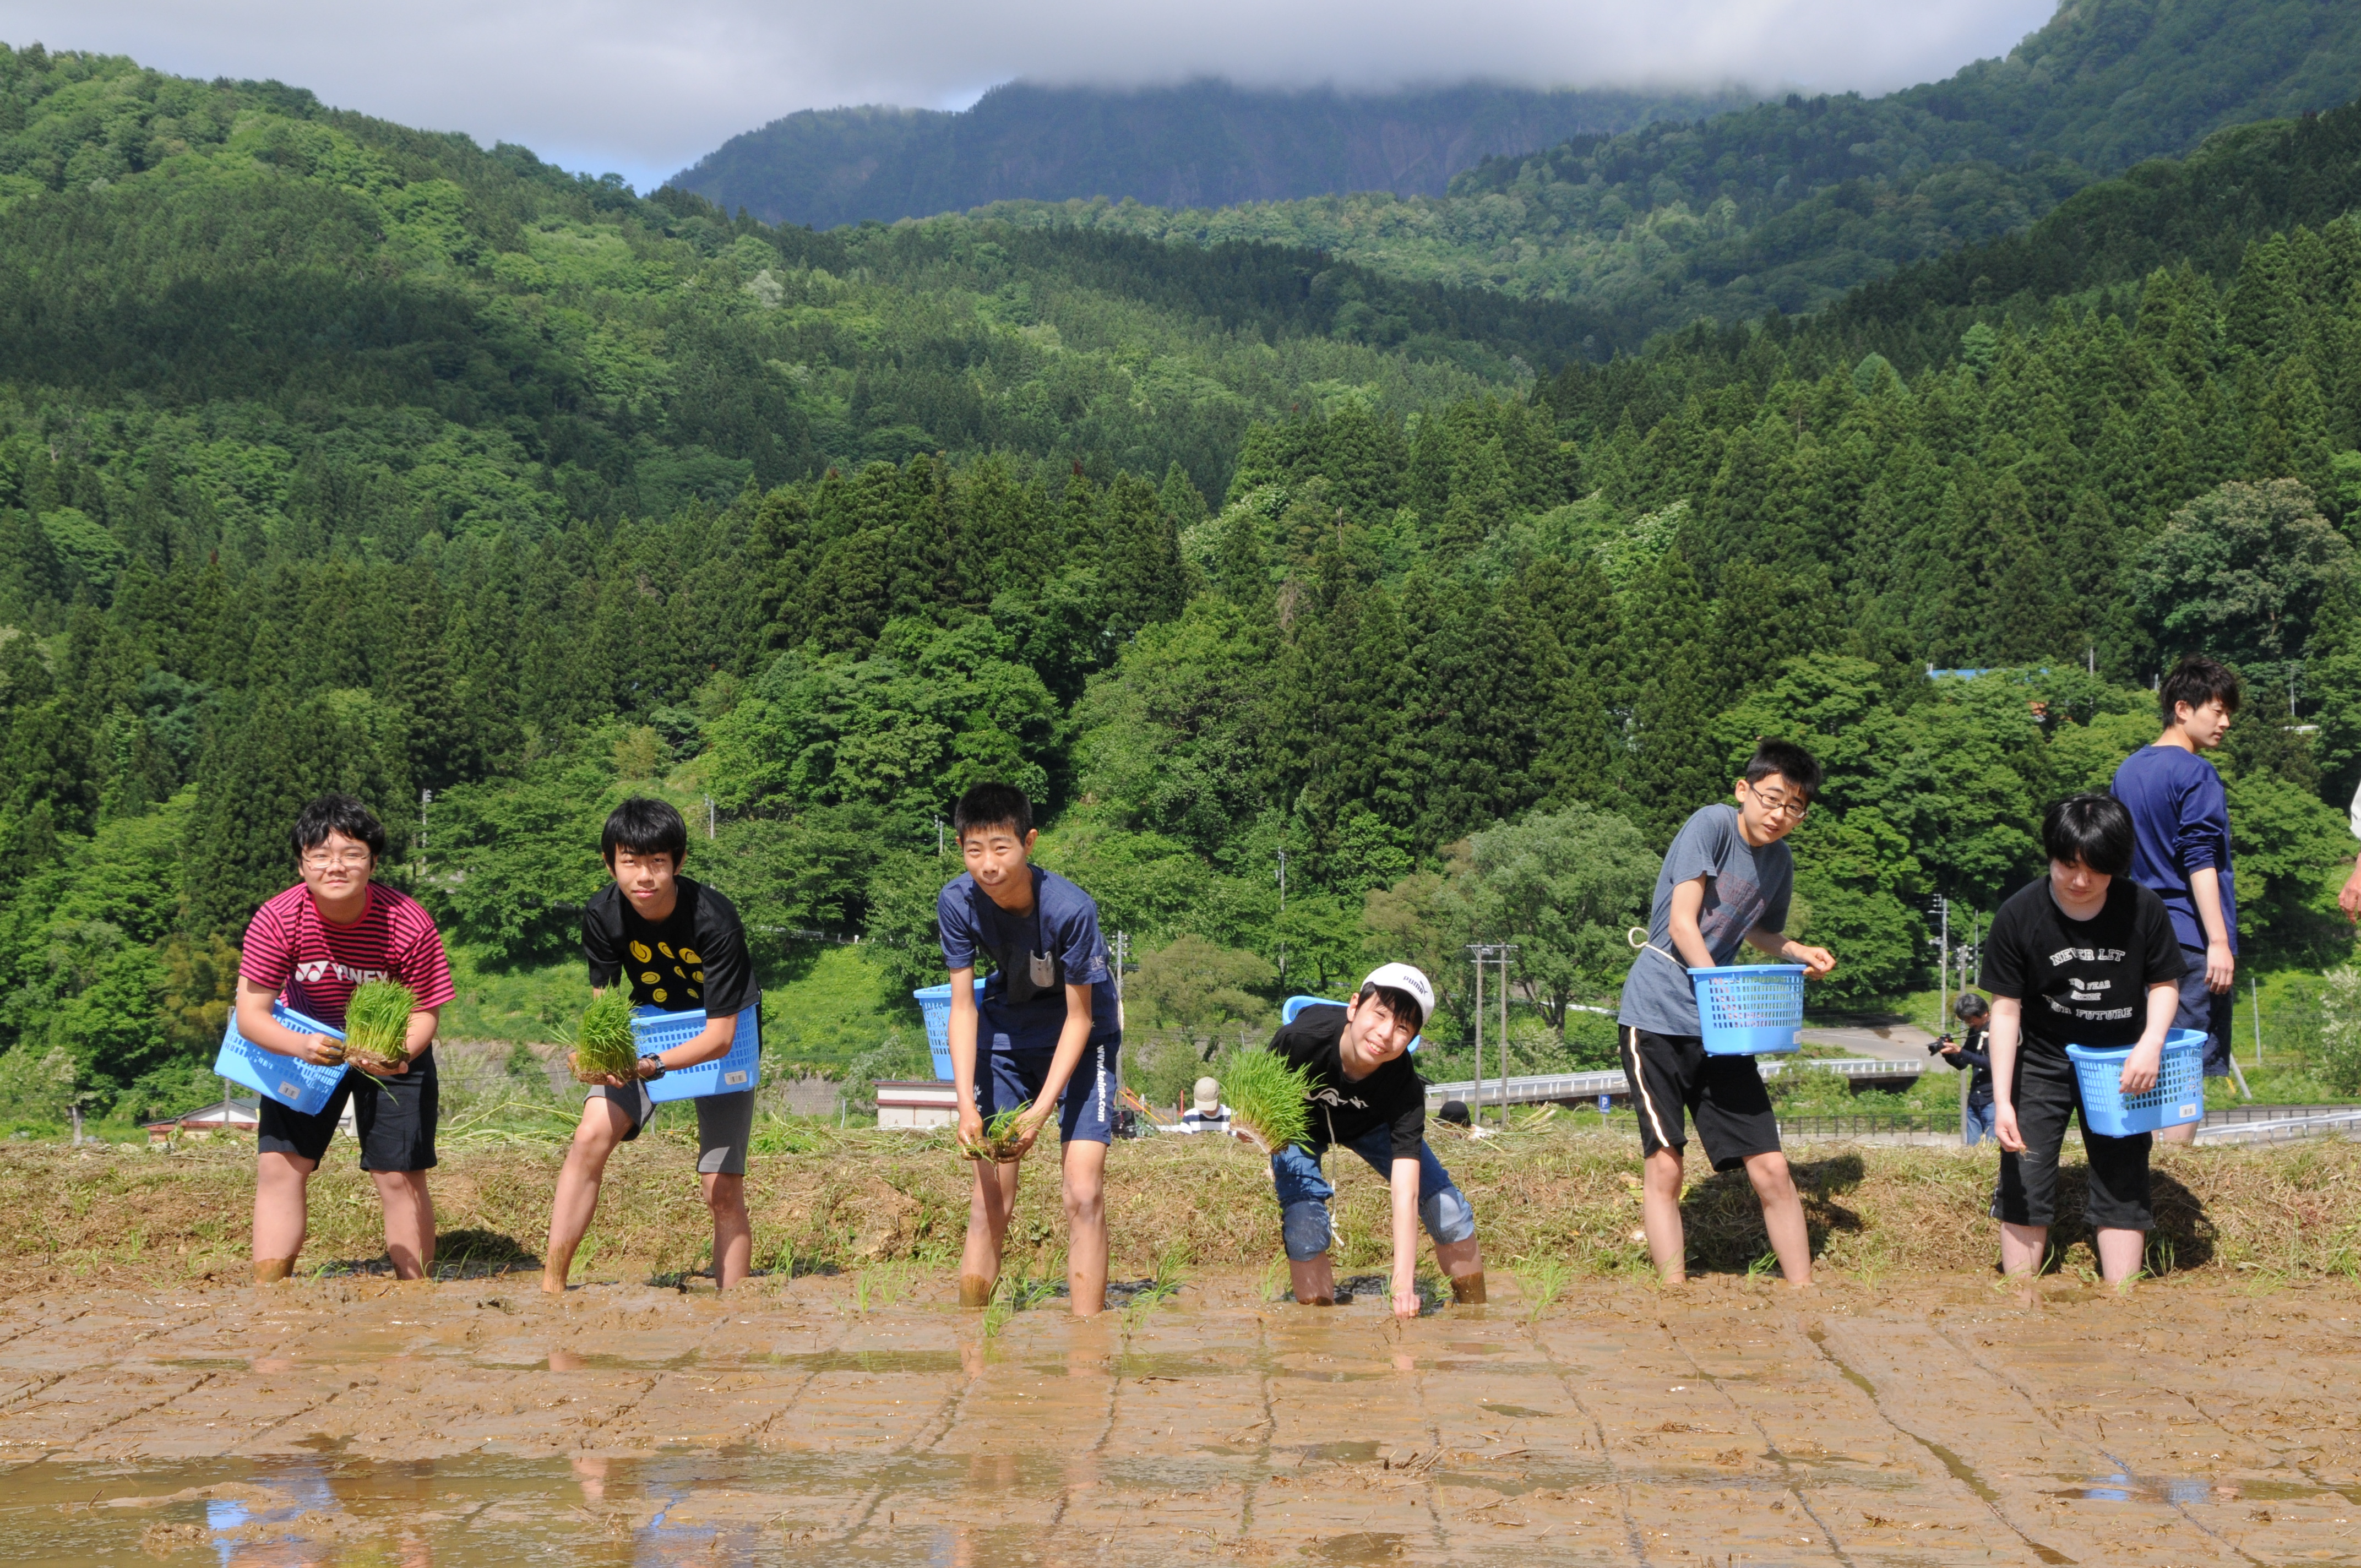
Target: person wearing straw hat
x,y
1726,881
1367,1097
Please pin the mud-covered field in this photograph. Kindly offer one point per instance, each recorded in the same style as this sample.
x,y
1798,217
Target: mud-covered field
x,y
839,1408
863,1419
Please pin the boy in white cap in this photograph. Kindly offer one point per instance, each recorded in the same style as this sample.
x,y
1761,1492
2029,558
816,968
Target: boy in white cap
x,y
1367,1097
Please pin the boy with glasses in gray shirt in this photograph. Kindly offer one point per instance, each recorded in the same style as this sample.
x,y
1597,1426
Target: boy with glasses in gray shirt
x,y
1726,879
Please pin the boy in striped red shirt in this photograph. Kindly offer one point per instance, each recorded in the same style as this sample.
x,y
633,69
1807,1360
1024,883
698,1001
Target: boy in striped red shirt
x,y
314,944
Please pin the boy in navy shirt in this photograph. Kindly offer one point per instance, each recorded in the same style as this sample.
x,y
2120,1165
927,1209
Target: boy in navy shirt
x,y
2180,837
1047,1033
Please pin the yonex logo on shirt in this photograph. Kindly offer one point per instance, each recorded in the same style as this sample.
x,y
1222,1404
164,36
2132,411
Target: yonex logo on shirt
x,y
312,972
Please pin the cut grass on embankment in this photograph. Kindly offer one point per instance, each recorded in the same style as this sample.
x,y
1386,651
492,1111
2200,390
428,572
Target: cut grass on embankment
x,y
135,1217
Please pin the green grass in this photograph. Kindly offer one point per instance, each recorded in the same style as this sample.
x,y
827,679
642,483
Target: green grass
x,y
999,1141
377,1022
603,1046
1266,1098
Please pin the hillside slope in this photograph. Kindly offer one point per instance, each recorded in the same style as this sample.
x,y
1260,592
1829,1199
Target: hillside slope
x,y
1789,204
463,339
1203,143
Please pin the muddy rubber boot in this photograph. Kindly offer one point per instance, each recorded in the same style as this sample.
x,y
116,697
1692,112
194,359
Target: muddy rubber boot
x,y
272,1270
1467,1289
1319,1301
975,1290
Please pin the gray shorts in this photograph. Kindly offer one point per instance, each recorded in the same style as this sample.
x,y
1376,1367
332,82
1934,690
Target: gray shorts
x,y
724,1123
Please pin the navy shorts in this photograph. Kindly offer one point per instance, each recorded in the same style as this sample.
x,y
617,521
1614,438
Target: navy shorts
x,y
1086,1109
2205,1010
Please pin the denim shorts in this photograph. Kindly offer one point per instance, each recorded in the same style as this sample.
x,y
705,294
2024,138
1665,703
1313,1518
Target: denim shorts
x,y
1303,1193
1005,1079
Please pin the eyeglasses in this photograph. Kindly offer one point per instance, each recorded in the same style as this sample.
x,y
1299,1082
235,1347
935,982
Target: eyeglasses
x,y
321,861
1781,806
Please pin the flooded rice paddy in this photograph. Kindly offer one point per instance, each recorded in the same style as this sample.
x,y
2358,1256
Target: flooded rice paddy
x,y
475,1422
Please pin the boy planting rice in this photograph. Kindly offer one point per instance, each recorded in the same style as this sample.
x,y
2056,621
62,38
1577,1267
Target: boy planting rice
x,y
1725,881
1047,1036
678,946
337,932
2084,956
1363,1094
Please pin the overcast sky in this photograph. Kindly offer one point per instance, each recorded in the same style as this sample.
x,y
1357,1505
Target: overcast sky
x,y
645,88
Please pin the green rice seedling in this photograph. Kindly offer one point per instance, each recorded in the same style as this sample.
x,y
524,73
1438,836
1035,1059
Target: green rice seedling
x,y
1266,1098
1543,1280
1000,1137
377,1023
1169,1277
603,1047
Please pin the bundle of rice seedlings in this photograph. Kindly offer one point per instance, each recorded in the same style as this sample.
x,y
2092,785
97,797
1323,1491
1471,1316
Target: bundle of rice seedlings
x,y
1000,1138
377,1023
1266,1098
603,1047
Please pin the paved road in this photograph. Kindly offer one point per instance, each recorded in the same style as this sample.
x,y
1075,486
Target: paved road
x,y
1887,1042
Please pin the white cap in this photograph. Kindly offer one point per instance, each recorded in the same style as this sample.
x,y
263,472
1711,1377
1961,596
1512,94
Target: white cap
x,y
1407,979
1208,1096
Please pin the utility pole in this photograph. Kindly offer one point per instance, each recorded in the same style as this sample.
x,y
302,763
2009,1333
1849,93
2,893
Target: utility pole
x,y
425,799
1476,952
1943,1001
1282,909
938,835
1506,949
709,819
2255,1006
1480,954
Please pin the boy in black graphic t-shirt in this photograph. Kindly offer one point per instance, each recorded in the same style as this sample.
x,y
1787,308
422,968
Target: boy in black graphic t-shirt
x,y
2084,956
1367,1097
679,946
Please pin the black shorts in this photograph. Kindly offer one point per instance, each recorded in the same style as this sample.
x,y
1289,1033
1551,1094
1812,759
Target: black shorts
x,y
2046,1092
1670,1073
393,1117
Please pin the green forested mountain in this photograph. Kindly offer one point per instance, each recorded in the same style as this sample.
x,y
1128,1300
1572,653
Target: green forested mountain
x,y
1789,204
1202,143
399,333
1466,648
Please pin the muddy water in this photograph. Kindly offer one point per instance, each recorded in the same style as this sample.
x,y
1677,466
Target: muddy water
x,y
476,1424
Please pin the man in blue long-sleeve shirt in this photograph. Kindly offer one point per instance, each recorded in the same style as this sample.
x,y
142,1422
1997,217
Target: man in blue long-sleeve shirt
x,y
2180,822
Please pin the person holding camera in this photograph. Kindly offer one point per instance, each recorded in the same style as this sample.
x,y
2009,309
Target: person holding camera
x,y
1968,1053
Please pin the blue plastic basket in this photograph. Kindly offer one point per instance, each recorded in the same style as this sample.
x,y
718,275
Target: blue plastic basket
x,y
935,1001
295,1083
739,1068
1295,1005
2178,1098
1750,1010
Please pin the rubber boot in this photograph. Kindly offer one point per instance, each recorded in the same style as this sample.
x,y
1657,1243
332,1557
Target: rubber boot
x,y
1467,1289
1319,1301
272,1270
975,1290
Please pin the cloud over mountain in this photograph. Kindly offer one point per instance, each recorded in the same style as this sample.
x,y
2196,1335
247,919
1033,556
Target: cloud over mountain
x,y
645,88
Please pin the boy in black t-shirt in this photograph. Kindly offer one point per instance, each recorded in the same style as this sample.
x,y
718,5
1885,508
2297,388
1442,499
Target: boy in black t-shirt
x,y
1367,1097
2084,956
680,945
